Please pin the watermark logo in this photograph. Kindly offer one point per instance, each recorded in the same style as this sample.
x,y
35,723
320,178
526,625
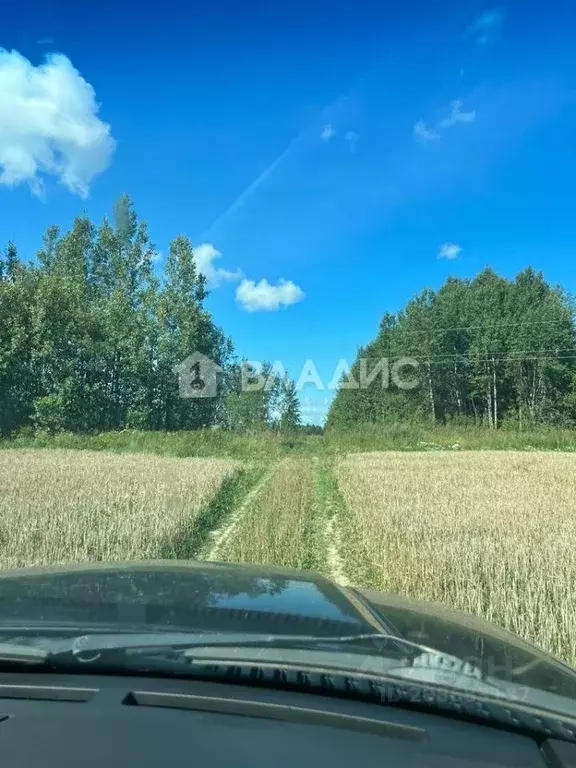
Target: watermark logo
x,y
197,376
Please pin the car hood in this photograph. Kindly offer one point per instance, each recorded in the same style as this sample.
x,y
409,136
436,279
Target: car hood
x,y
192,596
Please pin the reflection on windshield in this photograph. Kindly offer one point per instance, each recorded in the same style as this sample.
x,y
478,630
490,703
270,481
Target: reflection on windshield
x,y
295,594
213,597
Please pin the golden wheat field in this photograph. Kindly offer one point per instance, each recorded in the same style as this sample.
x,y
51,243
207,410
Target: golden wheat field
x,y
74,506
487,532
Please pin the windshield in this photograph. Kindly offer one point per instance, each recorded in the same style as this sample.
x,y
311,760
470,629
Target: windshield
x,y
289,287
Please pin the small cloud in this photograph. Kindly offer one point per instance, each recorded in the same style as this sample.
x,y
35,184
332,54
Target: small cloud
x,y
487,28
425,134
327,132
205,254
263,297
45,41
352,139
49,125
457,116
449,251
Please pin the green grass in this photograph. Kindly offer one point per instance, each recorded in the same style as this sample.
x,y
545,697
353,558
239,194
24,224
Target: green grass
x,y
357,565
330,518
418,437
324,511
201,443
270,446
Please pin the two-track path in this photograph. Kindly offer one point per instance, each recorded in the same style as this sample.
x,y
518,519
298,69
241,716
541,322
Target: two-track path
x,y
328,522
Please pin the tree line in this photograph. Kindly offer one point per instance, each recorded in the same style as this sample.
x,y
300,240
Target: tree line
x,y
91,333
486,350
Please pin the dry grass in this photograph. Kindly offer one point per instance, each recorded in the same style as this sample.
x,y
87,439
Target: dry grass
x,y
489,533
277,526
74,506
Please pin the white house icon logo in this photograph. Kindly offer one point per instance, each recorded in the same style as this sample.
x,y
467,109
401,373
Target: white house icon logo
x,y
197,376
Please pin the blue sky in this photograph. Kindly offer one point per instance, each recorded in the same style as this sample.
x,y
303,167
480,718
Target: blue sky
x,y
358,151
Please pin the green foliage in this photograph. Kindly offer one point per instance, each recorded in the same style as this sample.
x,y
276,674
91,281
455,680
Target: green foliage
x,y
90,336
489,351
289,407
255,400
18,384
49,413
13,266
249,397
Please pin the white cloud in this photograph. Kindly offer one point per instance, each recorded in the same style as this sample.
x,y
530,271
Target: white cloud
x,y
205,254
449,251
425,134
255,297
457,116
252,296
49,125
327,132
352,138
486,28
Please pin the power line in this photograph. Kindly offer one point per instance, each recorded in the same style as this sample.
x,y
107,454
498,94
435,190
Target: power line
x,y
504,359
460,355
485,327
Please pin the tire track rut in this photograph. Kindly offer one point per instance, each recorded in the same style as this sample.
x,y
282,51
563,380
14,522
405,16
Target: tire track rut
x,y
221,536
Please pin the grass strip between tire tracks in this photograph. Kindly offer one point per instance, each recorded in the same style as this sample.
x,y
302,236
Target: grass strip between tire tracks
x,y
189,542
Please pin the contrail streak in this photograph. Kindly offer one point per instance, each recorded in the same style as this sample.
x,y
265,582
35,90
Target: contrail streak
x,y
265,175
250,189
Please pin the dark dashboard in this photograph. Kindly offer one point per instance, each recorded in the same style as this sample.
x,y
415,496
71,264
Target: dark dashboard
x,y
92,720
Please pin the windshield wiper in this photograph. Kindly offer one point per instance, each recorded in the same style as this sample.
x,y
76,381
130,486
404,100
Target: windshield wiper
x,y
138,650
415,677
95,647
